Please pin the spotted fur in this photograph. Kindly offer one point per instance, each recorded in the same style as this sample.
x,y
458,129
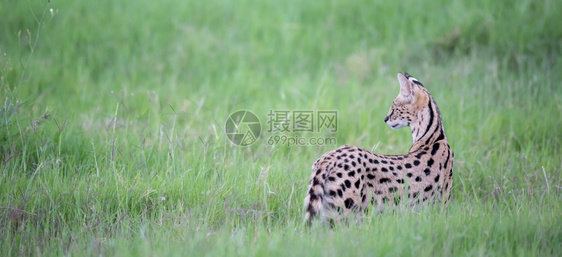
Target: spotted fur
x,y
344,181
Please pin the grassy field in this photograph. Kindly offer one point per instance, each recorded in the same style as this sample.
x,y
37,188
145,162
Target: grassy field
x,y
112,123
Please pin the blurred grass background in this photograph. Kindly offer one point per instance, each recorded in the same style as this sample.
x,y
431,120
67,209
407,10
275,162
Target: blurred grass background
x,y
112,116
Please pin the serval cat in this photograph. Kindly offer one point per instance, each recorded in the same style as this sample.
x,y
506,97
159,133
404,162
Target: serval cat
x,y
345,180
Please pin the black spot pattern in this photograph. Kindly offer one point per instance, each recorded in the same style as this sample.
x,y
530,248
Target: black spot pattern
x,y
435,148
349,203
419,155
313,196
315,181
430,162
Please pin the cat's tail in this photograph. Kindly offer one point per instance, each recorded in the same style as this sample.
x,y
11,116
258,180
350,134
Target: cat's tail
x,y
315,195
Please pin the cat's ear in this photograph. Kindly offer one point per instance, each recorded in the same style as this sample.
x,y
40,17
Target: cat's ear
x,y
406,86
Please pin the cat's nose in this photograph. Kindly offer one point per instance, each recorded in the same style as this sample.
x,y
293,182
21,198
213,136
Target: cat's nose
x,y
386,119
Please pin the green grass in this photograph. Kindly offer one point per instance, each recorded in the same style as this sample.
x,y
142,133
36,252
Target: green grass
x,y
112,143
